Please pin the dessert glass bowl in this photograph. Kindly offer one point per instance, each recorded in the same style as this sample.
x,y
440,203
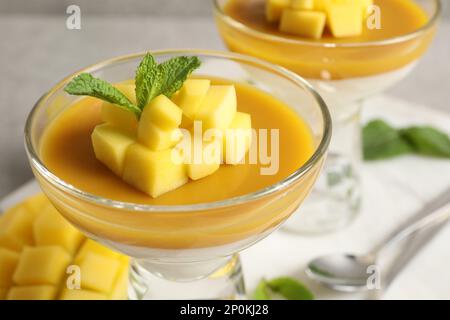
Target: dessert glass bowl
x,y
186,251
344,74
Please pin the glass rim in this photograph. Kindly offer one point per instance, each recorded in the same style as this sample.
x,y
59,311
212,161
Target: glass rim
x,y
388,41
318,154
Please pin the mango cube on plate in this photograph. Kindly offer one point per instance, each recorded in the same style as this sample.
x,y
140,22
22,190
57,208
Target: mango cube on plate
x,y
274,8
41,265
90,246
302,4
8,263
98,272
110,145
345,20
158,139
162,112
154,172
218,108
191,95
15,228
304,23
50,228
40,292
237,138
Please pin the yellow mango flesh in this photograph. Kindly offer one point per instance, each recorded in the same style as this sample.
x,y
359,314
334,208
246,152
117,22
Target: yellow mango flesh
x,y
204,157
345,20
218,108
154,172
110,146
40,272
191,95
117,116
158,139
302,4
303,23
274,8
237,138
162,112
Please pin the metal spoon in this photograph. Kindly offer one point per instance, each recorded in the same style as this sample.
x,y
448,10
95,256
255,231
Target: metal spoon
x,y
349,273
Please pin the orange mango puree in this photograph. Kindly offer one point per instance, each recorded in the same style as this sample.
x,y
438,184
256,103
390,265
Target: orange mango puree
x,y
340,58
67,152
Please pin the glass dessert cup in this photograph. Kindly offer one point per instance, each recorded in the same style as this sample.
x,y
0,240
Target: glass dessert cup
x,y
186,251
344,74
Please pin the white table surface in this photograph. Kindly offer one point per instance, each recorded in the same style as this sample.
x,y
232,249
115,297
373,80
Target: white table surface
x,y
392,191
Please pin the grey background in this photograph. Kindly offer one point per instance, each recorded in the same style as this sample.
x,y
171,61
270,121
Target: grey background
x,y
36,50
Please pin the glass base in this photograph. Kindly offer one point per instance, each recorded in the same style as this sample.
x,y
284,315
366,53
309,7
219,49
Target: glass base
x,y
225,283
336,197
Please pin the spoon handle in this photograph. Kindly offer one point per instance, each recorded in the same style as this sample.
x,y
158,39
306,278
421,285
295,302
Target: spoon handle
x,y
435,212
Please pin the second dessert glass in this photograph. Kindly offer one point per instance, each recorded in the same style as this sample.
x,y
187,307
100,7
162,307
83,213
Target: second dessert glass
x,y
344,74
186,251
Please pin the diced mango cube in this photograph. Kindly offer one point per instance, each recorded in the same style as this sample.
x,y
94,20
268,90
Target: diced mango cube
x,y
302,4
8,263
119,290
204,156
158,139
16,228
81,294
303,23
43,292
91,246
274,8
218,108
191,95
98,272
36,204
321,5
161,112
110,145
50,228
41,265
154,172
345,20
237,138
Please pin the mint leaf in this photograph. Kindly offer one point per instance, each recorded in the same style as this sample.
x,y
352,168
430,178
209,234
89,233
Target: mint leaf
x,y
148,81
290,288
381,141
427,141
176,71
86,85
153,79
261,291
287,287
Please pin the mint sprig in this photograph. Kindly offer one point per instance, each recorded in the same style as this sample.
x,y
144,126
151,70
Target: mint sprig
x,y
382,141
287,287
152,79
86,85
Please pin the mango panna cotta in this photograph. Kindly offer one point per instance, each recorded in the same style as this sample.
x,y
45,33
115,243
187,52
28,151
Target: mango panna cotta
x,y
43,257
309,18
163,146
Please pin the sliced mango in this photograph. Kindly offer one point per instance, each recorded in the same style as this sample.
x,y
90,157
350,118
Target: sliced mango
x,y
158,139
50,228
218,108
91,246
191,95
41,265
303,23
15,228
345,19
8,263
110,145
92,279
274,8
237,138
302,4
161,112
42,292
154,172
